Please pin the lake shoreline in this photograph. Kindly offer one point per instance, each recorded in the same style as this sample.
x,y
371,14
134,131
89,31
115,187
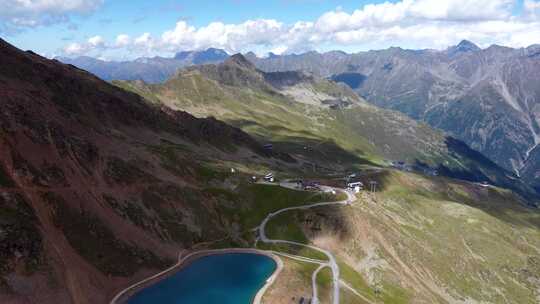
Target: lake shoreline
x,y
124,295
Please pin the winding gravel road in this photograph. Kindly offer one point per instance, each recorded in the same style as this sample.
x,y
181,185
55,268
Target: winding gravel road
x,y
331,259
263,238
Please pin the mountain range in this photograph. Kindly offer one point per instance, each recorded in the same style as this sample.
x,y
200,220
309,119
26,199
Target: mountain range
x,y
295,111
488,98
105,183
149,69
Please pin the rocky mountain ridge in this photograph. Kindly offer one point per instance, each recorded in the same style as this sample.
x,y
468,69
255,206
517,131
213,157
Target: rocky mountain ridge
x,y
314,108
486,97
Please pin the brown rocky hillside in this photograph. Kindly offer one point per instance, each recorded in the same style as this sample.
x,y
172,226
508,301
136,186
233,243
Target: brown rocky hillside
x,y
98,188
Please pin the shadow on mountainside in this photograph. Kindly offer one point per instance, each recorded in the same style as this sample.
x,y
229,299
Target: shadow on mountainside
x,y
503,205
304,145
482,169
353,80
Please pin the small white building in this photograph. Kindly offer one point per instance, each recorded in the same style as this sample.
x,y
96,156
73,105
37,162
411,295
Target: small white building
x,y
269,177
355,186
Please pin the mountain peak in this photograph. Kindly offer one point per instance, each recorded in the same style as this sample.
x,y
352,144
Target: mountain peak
x,y
215,51
210,55
467,46
239,60
464,47
204,56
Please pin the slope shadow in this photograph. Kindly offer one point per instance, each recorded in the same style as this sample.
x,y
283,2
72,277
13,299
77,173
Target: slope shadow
x,y
485,170
353,80
307,146
503,206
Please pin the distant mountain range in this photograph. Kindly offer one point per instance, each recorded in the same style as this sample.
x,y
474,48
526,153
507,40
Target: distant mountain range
x,y
488,98
152,70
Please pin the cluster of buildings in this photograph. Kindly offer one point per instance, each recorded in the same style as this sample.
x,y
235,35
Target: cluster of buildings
x,y
355,185
352,183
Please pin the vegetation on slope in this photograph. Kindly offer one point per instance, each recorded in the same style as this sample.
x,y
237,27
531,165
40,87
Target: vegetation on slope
x,y
293,115
20,240
96,243
435,240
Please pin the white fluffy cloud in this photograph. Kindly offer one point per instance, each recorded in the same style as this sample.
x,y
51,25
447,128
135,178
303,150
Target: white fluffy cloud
x,y
231,37
19,14
96,41
122,40
74,49
408,23
93,43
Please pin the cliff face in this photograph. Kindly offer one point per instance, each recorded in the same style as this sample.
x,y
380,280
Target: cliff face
x,y
98,188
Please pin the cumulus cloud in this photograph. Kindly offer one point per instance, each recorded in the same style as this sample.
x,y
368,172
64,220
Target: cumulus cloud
x,y
74,48
231,37
20,14
96,41
93,43
407,23
122,40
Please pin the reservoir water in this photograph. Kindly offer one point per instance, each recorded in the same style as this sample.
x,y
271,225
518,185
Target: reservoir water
x,y
230,278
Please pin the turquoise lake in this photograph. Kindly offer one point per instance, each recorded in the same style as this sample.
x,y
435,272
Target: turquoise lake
x,y
231,278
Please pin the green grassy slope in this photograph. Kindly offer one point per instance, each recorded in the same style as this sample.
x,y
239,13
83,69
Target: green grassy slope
x,y
293,116
429,240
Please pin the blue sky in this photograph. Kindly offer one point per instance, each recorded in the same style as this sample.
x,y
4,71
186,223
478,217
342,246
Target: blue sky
x,y
136,16
126,29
